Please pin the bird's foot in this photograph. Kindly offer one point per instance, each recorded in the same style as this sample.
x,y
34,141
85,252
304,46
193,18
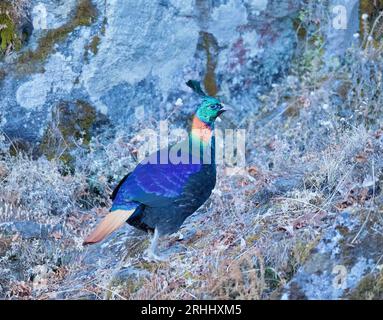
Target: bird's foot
x,y
179,236
151,253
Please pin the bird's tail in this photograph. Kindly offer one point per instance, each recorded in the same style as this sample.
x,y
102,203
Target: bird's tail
x,y
110,223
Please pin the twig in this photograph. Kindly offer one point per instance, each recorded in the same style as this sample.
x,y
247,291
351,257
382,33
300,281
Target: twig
x,y
338,186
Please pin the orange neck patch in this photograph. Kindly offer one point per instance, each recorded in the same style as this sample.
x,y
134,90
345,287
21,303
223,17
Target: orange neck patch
x,y
201,130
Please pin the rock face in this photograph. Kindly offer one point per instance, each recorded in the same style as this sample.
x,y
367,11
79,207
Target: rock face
x,y
343,26
134,54
347,252
27,229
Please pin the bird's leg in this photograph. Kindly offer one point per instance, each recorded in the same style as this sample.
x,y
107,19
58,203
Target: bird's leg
x,y
179,236
153,248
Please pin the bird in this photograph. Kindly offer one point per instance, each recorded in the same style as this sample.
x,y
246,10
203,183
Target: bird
x,y
170,184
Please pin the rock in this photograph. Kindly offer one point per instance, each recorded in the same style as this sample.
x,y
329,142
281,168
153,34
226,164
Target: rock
x,y
279,186
145,52
348,252
342,25
27,229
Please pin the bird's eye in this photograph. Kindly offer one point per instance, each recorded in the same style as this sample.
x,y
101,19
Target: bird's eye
x,y
216,107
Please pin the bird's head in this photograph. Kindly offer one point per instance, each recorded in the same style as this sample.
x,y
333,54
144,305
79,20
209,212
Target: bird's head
x,y
209,110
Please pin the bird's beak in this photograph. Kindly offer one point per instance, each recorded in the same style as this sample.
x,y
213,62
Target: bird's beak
x,y
218,119
226,107
223,110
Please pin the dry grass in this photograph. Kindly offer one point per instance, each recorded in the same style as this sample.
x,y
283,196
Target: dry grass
x,y
239,251
238,246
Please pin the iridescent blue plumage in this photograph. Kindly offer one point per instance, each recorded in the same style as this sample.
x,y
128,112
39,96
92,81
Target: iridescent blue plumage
x,y
166,193
153,184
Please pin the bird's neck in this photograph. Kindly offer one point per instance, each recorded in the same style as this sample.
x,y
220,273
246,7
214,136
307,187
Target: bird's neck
x,y
202,131
202,139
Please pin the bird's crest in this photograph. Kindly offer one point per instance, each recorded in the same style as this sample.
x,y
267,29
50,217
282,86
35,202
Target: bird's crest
x,y
196,87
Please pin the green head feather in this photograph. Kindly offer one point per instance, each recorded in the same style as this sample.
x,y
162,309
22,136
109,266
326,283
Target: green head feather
x,y
209,110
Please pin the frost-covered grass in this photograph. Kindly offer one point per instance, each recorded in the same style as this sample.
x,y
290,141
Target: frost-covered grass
x,y
246,242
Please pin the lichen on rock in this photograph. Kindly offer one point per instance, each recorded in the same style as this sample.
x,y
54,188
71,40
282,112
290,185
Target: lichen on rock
x,y
339,267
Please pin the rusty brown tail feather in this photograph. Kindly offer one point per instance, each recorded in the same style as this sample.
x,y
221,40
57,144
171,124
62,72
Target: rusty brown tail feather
x,y
111,222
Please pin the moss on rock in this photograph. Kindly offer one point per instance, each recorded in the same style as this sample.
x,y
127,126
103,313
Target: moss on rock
x,y
69,128
370,287
93,46
9,39
84,15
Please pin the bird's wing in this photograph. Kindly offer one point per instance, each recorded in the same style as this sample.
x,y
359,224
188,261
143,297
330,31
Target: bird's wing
x,y
155,184
114,193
